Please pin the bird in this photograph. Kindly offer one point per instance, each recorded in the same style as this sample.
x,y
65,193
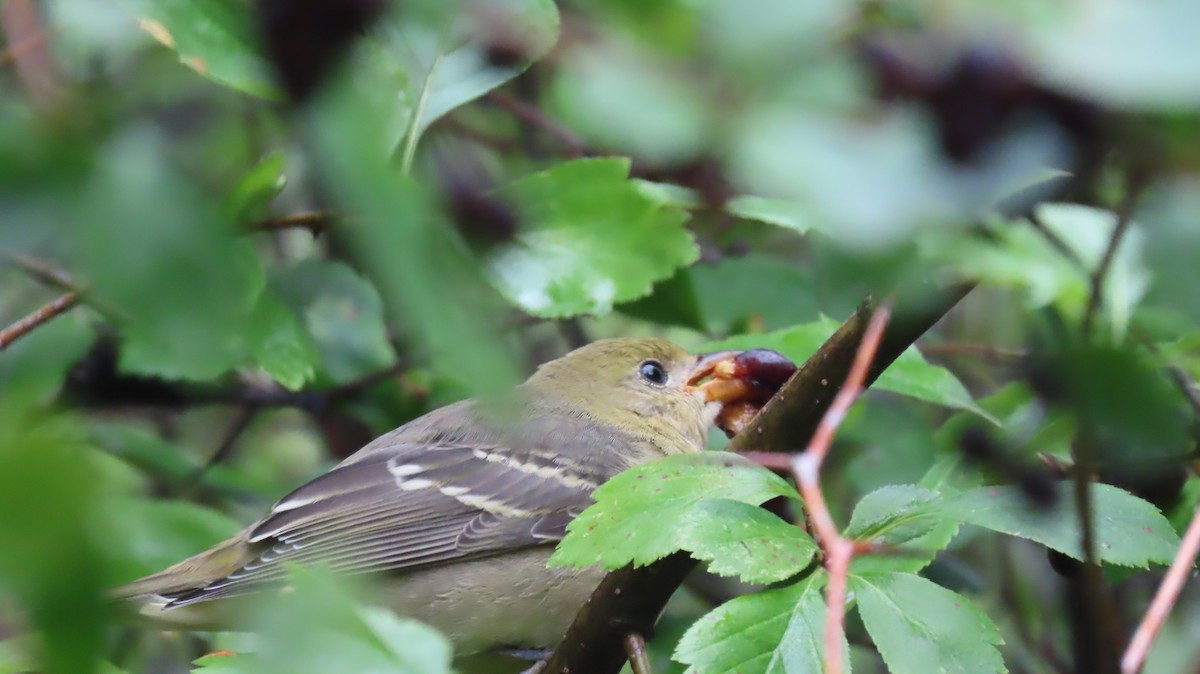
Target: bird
x,y
458,511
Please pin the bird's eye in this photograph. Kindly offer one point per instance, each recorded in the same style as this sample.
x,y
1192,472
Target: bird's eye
x,y
653,372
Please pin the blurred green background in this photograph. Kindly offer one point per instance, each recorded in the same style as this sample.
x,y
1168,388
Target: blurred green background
x,y
269,246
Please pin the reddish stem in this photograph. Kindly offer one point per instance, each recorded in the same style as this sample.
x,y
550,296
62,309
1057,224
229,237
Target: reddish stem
x,y
1164,599
839,551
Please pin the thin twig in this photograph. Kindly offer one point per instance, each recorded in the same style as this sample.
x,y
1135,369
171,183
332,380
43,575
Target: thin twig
x,y
839,551
635,649
41,316
1164,599
42,271
531,114
1100,275
314,221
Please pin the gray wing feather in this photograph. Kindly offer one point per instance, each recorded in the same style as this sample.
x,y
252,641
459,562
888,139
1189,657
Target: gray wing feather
x,y
410,505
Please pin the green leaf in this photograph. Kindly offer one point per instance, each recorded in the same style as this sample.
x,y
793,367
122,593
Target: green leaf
x,y
215,38
755,289
909,375
640,515
262,183
404,243
158,250
778,212
140,536
921,627
771,632
588,239
449,78
319,628
281,345
671,302
343,314
1157,68
1129,531
1018,256
743,540
905,517
1088,231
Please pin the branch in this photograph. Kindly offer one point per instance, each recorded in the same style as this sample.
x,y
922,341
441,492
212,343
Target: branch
x,y
1164,599
532,115
41,316
630,600
315,222
1124,218
839,551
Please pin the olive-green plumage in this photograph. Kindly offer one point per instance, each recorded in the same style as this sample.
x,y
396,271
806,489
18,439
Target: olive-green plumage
x,y
461,507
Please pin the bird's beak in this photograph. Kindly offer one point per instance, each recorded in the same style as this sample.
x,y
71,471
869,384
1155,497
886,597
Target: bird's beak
x,y
722,385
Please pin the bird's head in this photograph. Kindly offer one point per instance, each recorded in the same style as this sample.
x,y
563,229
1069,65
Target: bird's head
x,y
650,387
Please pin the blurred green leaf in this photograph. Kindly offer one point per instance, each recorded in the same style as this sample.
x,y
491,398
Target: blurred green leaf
x,y
771,632
343,313
639,516
445,72
1129,531
919,626
1018,256
1158,66
186,281
778,212
414,256
588,239
215,38
262,183
281,345
139,536
632,103
671,302
318,628
48,559
755,289
909,375
33,368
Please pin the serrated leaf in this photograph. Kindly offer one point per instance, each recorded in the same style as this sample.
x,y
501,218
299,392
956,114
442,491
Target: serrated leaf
x,y
588,239
771,632
281,345
921,627
215,38
909,375
905,517
638,515
743,540
1128,530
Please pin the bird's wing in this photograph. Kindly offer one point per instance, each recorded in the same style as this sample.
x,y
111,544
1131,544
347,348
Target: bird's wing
x,y
407,506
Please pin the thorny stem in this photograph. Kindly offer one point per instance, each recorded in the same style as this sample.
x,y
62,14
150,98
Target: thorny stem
x,y
839,551
1164,599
